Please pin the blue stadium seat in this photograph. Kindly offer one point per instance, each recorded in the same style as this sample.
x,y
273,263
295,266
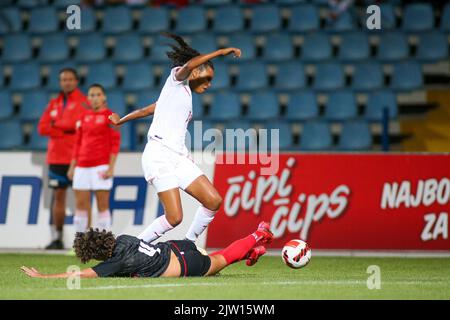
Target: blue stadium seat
x,y
341,106
379,100
6,105
329,76
278,47
12,135
302,106
203,43
10,20
30,4
63,4
53,48
355,136
138,76
117,20
418,17
88,22
53,76
37,142
316,47
221,77
367,76
154,20
33,105
25,76
158,52
290,76
265,18
128,48
393,46
126,138
238,142
116,101
102,73
344,23
198,110
246,43
216,2
316,136
224,107
228,19
16,48
354,47
445,19
263,106
285,138
145,98
289,2
407,76
252,76
91,47
432,47
304,18
388,19
200,135
190,20
43,20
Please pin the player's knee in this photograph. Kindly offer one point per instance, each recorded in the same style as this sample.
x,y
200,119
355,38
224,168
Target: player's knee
x,y
214,202
175,219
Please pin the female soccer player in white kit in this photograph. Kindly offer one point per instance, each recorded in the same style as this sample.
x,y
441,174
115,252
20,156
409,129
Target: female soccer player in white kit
x,y
166,161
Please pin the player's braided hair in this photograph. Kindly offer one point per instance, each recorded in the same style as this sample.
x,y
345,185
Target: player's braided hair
x,y
183,52
94,244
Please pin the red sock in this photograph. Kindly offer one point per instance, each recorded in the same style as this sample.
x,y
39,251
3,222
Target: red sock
x,y
237,250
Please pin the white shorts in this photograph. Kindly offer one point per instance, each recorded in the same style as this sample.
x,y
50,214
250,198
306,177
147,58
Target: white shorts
x,y
91,178
166,169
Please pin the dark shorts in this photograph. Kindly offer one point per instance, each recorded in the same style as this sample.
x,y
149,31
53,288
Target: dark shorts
x,y
193,262
57,176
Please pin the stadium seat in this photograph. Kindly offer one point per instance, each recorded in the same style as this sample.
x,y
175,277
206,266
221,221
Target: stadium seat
x,y
388,19
445,19
379,100
329,76
63,4
354,47
102,73
126,137
263,106
290,76
37,142
43,20
278,47
216,2
91,47
116,101
29,4
355,136
432,47
316,47
289,2
33,105
198,110
316,136
221,77
203,43
10,20
302,106
6,106
16,48
345,22
138,76
240,138
88,22
252,76
117,20
158,52
246,43
341,106
407,76
53,48
25,76
418,17
265,18
304,18
285,138
228,19
154,20
393,46
128,48
190,20
224,107
12,135
145,98
53,76
367,76
197,139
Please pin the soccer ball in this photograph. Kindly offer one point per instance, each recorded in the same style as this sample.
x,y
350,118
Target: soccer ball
x,y
296,254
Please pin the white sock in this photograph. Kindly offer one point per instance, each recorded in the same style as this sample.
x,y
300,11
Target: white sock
x,y
80,220
156,229
202,219
104,220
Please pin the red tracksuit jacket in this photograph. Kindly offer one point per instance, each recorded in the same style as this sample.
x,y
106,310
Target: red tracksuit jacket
x,y
59,124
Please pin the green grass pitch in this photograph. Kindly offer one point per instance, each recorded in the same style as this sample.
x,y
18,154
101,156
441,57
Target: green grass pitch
x,y
323,278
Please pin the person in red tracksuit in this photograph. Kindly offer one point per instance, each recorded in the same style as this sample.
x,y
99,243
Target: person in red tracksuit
x,y
93,161
58,122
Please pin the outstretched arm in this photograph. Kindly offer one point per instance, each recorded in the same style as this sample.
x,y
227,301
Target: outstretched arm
x,y
137,114
184,72
33,273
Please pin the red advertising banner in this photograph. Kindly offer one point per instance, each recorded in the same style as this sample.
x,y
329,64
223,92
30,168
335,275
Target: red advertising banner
x,y
338,201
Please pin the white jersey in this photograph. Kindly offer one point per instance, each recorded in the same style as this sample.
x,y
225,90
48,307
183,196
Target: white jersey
x,y
172,114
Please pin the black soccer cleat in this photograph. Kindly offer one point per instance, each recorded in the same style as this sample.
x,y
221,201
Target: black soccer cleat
x,y
55,245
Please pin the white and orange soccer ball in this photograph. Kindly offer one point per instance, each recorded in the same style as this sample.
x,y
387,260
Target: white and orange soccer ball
x,y
296,254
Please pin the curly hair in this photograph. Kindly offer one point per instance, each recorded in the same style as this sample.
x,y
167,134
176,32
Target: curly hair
x,y
94,244
183,52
